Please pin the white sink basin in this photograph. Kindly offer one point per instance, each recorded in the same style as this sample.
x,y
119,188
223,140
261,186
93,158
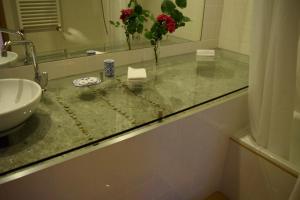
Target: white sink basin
x,y
18,101
11,57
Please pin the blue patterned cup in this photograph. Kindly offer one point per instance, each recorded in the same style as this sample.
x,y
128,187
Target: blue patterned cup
x,y
109,68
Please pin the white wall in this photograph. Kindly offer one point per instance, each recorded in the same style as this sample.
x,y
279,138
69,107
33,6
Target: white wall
x,y
205,24
192,30
212,23
247,176
295,142
180,160
236,26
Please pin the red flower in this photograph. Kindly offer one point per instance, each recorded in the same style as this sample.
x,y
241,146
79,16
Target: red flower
x,y
126,13
168,21
162,18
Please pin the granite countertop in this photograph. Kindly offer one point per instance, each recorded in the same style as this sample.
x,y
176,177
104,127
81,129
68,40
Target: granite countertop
x,y
70,117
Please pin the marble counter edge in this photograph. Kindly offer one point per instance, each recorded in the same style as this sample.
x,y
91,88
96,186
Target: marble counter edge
x,y
119,138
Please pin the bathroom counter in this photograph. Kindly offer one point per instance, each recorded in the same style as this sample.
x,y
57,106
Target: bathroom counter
x,y
70,118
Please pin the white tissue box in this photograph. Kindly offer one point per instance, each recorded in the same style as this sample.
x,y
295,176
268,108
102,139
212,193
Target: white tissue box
x,y
206,52
136,74
136,78
205,59
136,84
205,55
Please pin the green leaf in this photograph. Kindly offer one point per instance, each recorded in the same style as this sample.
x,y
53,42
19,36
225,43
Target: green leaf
x,y
146,13
186,19
167,6
177,15
141,19
131,4
138,9
148,35
140,28
152,17
116,24
181,3
181,24
131,28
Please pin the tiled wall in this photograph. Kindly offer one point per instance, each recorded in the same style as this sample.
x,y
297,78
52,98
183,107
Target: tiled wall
x,y
236,26
212,23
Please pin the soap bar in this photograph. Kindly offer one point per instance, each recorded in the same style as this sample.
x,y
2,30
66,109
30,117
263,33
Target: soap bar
x,y
90,52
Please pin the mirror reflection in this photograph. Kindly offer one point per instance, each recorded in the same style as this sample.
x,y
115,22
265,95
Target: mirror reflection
x,y
62,29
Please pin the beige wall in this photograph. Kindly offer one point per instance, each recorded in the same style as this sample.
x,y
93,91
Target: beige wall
x,y
212,22
236,26
192,30
298,80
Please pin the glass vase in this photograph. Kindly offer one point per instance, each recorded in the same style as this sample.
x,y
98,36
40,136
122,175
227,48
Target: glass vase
x,y
128,40
156,51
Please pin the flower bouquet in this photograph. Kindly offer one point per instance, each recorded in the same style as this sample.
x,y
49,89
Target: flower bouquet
x,y
167,22
132,20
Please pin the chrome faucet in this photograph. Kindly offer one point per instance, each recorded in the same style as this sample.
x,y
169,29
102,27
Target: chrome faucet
x,y
22,37
40,78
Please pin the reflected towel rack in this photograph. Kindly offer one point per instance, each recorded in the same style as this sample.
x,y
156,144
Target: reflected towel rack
x,y
39,15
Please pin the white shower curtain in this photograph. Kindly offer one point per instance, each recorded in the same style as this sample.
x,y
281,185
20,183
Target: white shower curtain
x,y
273,67
1,40
273,75
296,192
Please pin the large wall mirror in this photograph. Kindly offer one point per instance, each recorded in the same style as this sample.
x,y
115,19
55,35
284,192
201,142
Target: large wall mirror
x,y
62,29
